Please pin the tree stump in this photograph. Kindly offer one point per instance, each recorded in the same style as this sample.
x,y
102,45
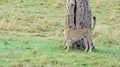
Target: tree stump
x,y
77,11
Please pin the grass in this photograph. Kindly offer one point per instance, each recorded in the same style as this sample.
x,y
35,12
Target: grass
x,y
48,53
31,35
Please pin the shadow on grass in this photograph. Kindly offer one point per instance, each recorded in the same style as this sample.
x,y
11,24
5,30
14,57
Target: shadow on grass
x,y
97,49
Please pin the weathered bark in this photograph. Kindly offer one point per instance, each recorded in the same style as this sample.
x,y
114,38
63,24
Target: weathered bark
x,y
70,13
78,11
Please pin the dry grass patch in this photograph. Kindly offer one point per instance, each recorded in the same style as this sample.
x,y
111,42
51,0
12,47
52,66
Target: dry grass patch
x,y
100,30
58,4
116,36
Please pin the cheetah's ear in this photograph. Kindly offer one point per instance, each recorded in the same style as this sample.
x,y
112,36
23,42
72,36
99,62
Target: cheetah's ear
x,y
70,26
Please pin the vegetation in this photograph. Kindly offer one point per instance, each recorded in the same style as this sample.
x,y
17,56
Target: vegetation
x,y
31,35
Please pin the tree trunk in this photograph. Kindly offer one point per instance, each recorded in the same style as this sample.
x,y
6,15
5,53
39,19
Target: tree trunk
x,y
77,11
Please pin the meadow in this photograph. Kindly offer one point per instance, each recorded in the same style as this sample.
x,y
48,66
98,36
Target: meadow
x,y
31,35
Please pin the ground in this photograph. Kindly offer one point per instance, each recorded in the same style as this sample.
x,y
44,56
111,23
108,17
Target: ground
x,y
31,35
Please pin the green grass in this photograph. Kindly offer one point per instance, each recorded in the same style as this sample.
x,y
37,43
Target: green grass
x,y
49,53
31,35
